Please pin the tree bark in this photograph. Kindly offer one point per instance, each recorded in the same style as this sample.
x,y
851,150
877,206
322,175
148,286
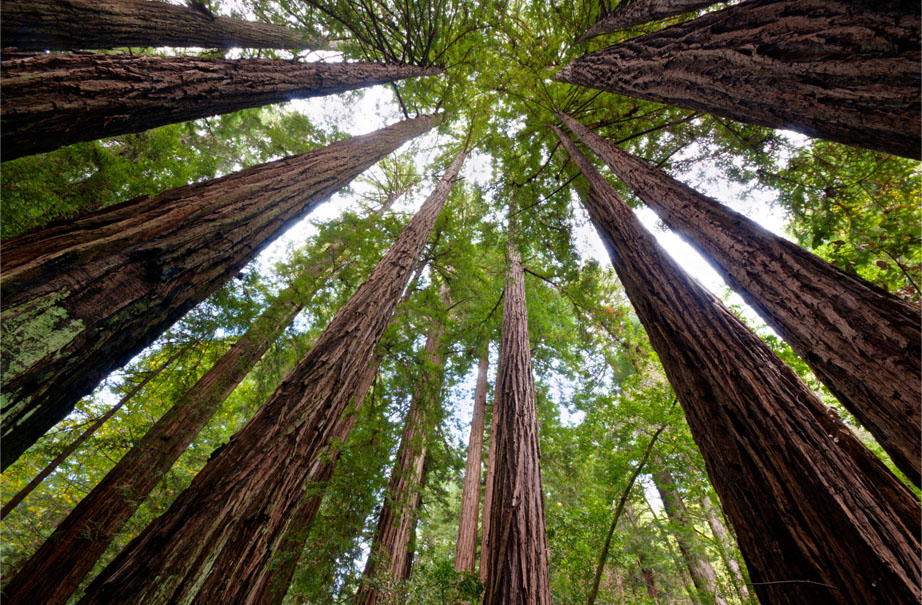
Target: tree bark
x,y
389,560
843,70
864,344
83,297
100,24
819,517
213,543
488,493
700,569
54,100
726,546
466,546
517,563
628,14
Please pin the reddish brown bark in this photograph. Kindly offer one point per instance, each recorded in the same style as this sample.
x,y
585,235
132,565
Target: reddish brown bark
x,y
213,543
54,100
843,70
466,546
81,298
488,495
517,559
96,24
819,517
628,14
864,344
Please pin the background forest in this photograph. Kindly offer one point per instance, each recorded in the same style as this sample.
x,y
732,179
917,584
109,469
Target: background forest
x,y
612,435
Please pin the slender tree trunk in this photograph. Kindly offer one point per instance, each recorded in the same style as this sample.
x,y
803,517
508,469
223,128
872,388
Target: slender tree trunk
x,y
700,569
488,494
466,546
213,542
390,556
649,580
628,14
54,100
863,343
81,298
98,24
843,70
517,567
819,517
726,547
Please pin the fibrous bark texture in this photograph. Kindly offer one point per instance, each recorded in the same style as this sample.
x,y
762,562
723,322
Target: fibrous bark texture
x,y
488,494
390,557
819,518
214,542
54,100
95,24
864,344
843,70
628,14
517,559
466,546
81,298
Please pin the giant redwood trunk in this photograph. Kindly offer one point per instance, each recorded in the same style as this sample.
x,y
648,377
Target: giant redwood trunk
x,y
843,70
466,546
488,494
628,14
819,518
864,344
213,543
390,556
517,558
81,298
96,24
54,100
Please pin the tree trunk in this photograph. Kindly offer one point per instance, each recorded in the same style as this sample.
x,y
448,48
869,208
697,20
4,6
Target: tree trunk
x,y
700,569
81,298
214,541
648,579
726,546
466,546
54,100
843,70
517,564
389,559
628,14
819,517
862,343
98,24
488,494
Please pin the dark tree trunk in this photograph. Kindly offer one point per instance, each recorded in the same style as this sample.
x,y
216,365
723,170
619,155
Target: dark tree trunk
x,y
726,546
517,559
864,344
843,70
95,24
628,14
466,546
390,557
81,298
819,517
213,543
488,494
54,100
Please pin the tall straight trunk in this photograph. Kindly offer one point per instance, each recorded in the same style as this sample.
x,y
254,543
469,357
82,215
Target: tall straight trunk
x,y
643,560
214,541
54,100
843,70
517,559
84,535
726,547
628,14
819,517
488,494
466,546
390,556
700,568
864,344
97,24
81,298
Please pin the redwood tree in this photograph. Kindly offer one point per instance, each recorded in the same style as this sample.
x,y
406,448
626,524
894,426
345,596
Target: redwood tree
x,y
94,24
864,344
819,518
81,298
215,540
637,12
54,100
843,70
466,546
517,559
